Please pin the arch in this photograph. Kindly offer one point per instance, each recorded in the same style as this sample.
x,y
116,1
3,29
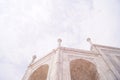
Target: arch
x,y
40,73
81,69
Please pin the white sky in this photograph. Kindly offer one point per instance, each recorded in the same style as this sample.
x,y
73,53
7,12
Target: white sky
x,y
29,27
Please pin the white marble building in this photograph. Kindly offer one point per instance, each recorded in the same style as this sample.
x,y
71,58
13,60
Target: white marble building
x,y
100,63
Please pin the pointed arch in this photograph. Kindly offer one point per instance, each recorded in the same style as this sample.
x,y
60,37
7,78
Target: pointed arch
x,y
81,69
40,73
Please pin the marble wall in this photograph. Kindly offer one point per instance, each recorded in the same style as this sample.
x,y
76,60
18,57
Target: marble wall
x,y
101,63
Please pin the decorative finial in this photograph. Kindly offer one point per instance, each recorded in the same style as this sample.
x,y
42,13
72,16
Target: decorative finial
x,y
33,58
89,40
59,42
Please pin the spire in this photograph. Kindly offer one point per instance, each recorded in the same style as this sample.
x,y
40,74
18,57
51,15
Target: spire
x,y
89,40
33,59
59,42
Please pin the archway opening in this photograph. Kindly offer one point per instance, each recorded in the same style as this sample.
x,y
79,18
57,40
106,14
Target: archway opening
x,y
40,73
83,70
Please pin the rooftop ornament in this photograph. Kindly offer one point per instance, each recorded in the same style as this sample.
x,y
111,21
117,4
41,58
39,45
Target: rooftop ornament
x,y
59,42
89,40
33,58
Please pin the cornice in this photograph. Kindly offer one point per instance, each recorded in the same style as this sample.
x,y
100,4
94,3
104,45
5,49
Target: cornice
x,y
64,49
107,47
45,57
76,50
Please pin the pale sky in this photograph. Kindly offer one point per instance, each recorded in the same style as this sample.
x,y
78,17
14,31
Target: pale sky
x,y
29,27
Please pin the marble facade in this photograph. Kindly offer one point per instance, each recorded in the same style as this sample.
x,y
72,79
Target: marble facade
x,y
100,63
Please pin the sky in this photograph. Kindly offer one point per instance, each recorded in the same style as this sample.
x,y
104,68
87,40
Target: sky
x,y
29,27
